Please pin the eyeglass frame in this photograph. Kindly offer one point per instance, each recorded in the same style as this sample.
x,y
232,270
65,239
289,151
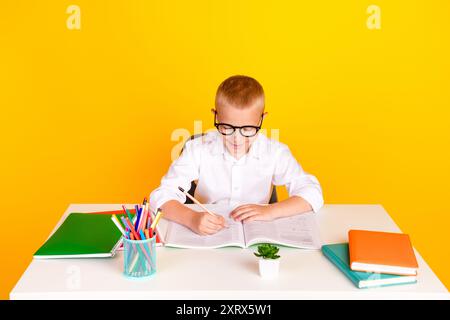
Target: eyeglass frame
x,y
216,124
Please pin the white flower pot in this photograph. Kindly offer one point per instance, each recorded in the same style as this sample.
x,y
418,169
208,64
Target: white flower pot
x,y
268,268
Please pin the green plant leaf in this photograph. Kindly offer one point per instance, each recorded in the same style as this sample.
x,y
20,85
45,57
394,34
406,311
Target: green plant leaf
x,y
267,251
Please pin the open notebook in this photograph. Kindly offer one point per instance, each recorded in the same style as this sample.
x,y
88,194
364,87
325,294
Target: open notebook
x,y
298,231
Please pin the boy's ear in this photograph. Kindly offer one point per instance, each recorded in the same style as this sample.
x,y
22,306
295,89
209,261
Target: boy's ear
x,y
264,115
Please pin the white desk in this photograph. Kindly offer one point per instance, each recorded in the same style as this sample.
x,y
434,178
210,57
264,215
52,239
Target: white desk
x,y
228,273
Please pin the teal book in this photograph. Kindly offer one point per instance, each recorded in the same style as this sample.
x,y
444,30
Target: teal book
x,y
339,256
82,235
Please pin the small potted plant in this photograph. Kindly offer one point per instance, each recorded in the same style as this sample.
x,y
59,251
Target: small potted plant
x,y
269,262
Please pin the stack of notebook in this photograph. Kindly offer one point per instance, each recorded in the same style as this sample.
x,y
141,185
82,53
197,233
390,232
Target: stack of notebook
x,y
84,235
374,259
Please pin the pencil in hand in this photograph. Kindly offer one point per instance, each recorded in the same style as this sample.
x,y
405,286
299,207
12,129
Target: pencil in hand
x,y
199,204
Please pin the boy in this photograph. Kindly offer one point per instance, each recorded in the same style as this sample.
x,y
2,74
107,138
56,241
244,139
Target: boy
x,y
237,166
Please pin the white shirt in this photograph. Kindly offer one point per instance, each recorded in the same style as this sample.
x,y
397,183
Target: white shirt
x,y
222,179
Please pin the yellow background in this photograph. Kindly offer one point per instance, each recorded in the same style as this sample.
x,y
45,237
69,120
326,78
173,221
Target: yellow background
x,y
87,115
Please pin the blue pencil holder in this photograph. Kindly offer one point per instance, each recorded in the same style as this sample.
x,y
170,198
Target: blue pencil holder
x,y
139,258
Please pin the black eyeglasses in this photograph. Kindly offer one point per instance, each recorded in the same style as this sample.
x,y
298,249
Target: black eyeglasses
x,y
228,129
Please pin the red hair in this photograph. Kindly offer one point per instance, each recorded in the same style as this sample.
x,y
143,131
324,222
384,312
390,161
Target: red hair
x,y
240,92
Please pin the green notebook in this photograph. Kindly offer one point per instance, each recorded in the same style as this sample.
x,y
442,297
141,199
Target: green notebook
x,y
82,235
338,255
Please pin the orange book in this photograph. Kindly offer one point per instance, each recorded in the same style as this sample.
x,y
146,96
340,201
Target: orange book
x,y
381,252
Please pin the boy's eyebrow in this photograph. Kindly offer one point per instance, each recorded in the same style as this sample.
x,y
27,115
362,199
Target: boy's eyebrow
x,y
247,125
231,125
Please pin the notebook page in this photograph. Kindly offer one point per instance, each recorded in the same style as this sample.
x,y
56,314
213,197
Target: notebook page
x,y
300,231
182,237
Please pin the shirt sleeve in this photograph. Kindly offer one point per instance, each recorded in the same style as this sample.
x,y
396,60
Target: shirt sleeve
x,y
181,173
288,172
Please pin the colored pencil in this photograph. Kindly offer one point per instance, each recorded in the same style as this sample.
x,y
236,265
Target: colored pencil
x,y
159,213
127,213
117,223
133,231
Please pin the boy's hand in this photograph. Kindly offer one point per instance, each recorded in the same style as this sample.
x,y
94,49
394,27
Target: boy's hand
x,y
252,212
205,224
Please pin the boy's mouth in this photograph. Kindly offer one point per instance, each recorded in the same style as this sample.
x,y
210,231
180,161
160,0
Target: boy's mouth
x,y
235,146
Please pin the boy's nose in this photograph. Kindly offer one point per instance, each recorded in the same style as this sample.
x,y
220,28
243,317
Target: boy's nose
x,y
238,138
